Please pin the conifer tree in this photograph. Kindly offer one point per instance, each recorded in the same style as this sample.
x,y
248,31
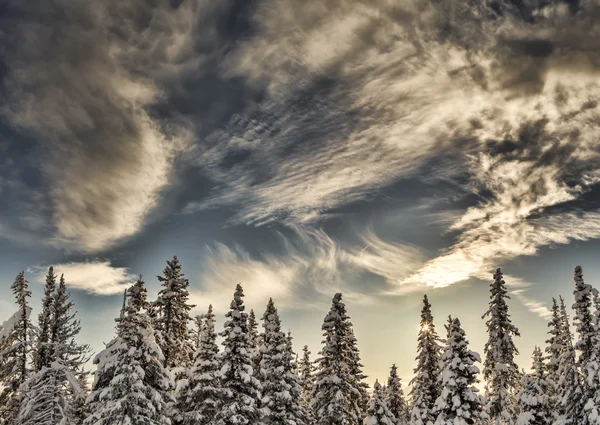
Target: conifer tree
x,y
425,388
78,406
394,397
239,404
584,323
171,312
554,349
499,369
306,370
131,385
199,403
459,403
15,347
593,405
533,398
41,355
338,391
280,386
572,394
378,412
47,392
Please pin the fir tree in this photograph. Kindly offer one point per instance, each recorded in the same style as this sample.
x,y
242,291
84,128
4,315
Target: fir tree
x,y
47,393
131,386
554,349
425,388
378,412
306,371
499,369
572,395
394,397
79,408
241,390
15,346
199,403
280,385
338,391
583,322
41,355
533,398
593,405
459,403
171,312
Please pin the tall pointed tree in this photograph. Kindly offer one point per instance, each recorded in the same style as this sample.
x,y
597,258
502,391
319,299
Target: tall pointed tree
x,y
47,392
499,369
572,393
241,390
533,398
280,386
459,403
200,402
584,322
338,391
131,385
378,412
171,312
425,388
15,347
554,348
593,405
41,356
394,397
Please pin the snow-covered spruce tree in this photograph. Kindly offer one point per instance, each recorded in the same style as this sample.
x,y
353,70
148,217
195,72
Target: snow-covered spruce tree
x,y
239,404
554,348
199,402
306,371
425,386
499,369
171,312
77,402
394,397
280,404
362,388
303,413
459,403
131,386
15,347
378,412
40,356
48,392
572,394
533,397
584,323
338,390
593,404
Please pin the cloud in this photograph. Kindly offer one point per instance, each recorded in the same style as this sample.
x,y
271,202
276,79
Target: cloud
x,y
95,277
310,265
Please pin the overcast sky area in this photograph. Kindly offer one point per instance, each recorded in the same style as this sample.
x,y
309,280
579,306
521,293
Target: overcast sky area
x,y
382,148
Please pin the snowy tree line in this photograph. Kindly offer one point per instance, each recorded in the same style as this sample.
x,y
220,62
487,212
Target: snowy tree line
x,y
165,367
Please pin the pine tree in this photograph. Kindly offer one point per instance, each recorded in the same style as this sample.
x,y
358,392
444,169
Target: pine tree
x,y
394,398
199,403
79,409
533,398
280,386
338,390
241,390
171,312
593,405
584,322
306,371
572,395
131,386
459,403
15,347
41,355
554,349
47,393
425,388
499,369
378,412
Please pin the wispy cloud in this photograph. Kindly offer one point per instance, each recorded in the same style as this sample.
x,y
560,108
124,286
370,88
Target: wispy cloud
x,y
95,277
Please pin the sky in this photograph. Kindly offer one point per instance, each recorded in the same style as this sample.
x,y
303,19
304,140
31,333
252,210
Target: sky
x,y
386,149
